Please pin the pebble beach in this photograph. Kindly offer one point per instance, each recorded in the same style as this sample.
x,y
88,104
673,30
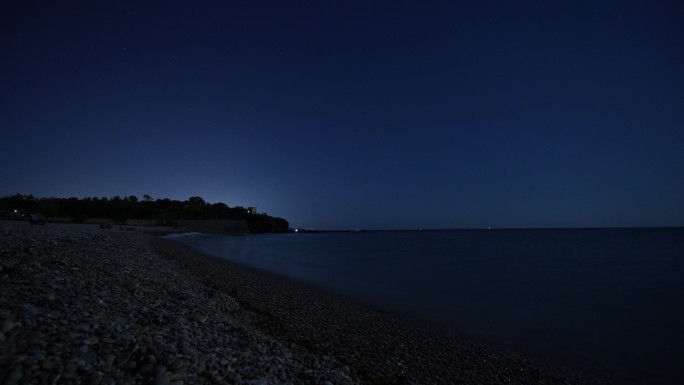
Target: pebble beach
x,y
84,305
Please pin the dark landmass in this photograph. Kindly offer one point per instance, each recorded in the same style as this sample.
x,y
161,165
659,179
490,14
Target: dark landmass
x,y
117,209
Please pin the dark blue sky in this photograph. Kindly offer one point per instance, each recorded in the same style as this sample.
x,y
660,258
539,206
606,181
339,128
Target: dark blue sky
x,y
339,114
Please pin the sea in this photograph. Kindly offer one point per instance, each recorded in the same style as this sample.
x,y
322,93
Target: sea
x,y
607,302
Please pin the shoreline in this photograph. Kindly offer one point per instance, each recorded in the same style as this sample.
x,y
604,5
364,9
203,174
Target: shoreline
x,y
84,305
402,348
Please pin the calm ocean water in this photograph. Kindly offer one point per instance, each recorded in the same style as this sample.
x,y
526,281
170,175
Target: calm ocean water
x,y
609,301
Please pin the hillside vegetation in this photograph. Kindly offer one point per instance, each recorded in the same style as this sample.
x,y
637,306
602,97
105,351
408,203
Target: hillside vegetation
x,y
119,209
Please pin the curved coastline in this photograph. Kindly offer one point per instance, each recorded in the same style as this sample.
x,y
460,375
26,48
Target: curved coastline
x,y
86,305
377,346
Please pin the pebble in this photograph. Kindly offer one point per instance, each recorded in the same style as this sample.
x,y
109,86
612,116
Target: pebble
x,y
178,375
91,340
161,379
14,376
176,364
128,366
5,314
7,325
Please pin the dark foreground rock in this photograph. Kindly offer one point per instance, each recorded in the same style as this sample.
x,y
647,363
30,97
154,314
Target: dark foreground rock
x,y
83,305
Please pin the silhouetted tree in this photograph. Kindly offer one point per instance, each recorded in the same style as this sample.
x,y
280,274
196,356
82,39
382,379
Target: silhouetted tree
x,y
196,201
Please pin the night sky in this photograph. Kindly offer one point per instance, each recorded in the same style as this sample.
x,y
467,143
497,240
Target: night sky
x,y
344,114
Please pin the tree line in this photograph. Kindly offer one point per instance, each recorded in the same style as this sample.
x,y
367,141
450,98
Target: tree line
x,y
165,211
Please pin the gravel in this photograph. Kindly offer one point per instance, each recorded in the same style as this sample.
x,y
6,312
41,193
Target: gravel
x,y
84,305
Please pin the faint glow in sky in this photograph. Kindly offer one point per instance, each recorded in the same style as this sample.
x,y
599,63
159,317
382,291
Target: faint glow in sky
x,y
338,115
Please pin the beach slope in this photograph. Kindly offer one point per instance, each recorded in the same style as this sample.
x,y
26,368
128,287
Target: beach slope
x,y
79,304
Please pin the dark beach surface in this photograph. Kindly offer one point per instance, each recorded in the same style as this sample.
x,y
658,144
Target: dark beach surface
x,y
79,304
